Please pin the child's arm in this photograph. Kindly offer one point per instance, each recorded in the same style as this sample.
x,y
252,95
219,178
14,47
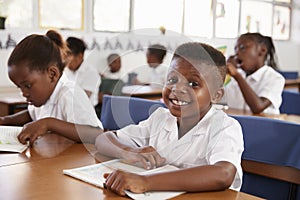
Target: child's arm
x,y
257,104
203,178
76,132
17,119
110,145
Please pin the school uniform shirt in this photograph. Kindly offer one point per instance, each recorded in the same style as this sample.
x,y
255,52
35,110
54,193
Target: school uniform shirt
x,y
154,76
69,103
266,82
158,75
88,78
217,137
113,75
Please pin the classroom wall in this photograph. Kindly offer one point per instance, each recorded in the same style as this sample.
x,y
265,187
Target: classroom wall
x,y
132,46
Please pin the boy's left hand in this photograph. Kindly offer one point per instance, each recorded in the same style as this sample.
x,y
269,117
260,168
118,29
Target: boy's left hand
x,y
32,131
119,181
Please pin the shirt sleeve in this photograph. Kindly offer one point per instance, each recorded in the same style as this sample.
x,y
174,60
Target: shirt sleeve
x,y
229,147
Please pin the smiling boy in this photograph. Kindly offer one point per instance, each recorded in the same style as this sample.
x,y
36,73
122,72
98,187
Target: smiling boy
x,y
191,134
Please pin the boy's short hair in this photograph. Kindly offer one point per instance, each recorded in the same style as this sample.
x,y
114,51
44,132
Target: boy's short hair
x,y
76,45
203,53
158,50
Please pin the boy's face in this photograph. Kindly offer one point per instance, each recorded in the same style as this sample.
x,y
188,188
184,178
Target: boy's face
x,y
74,61
152,60
186,93
36,86
115,65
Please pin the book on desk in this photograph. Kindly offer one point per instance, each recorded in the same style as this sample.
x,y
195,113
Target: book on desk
x,y
93,174
9,139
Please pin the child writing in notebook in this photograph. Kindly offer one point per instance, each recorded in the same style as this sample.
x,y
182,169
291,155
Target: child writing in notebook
x,y
191,134
256,85
55,105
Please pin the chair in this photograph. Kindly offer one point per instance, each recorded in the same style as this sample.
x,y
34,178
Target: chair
x,y
119,111
111,86
270,160
289,74
290,102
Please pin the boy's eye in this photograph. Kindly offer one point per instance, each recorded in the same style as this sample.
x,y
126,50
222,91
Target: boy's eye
x,y
28,86
172,80
193,84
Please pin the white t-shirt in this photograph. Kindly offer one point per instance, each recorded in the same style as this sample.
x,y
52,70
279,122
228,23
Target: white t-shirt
x,y
87,78
266,82
69,103
154,76
217,137
115,75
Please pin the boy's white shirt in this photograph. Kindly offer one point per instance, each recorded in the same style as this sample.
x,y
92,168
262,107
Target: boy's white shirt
x,y
88,78
154,76
217,137
69,103
266,82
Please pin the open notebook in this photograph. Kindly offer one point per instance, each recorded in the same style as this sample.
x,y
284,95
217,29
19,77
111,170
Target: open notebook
x,y
9,141
93,174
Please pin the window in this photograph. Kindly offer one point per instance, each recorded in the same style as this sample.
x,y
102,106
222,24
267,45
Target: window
x,y
18,13
113,15
256,17
158,13
66,14
227,18
198,18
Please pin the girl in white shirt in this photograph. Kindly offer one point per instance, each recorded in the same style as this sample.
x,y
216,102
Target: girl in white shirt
x,y
56,106
256,85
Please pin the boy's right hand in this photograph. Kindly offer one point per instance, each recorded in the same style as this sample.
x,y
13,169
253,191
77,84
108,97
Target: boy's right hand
x,y
32,131
147,156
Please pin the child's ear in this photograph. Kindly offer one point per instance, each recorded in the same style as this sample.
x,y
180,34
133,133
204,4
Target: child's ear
x,y
263,50
53,73
218,95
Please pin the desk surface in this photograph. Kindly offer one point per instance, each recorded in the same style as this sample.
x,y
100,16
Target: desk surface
x,y
143,91
38,174
292,83
284,117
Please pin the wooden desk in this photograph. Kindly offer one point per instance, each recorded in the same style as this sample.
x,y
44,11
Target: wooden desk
x,y
41,177
143,91
11,102
292,83
284,117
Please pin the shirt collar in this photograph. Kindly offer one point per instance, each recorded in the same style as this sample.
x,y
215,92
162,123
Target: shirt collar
x,y
256,76
54,98
200,127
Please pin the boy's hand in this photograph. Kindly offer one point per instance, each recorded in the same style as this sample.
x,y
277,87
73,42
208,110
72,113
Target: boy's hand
x,y
33,131
119,181
147,156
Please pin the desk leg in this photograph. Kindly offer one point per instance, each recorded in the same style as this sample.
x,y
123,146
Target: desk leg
x,y
293,192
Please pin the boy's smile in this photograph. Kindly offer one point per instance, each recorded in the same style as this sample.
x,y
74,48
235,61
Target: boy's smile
x,y
186,93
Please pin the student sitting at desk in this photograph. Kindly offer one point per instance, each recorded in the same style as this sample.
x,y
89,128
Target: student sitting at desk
x,y
114,67
111,80
77,70
55,105
155,73
256,85
191,134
